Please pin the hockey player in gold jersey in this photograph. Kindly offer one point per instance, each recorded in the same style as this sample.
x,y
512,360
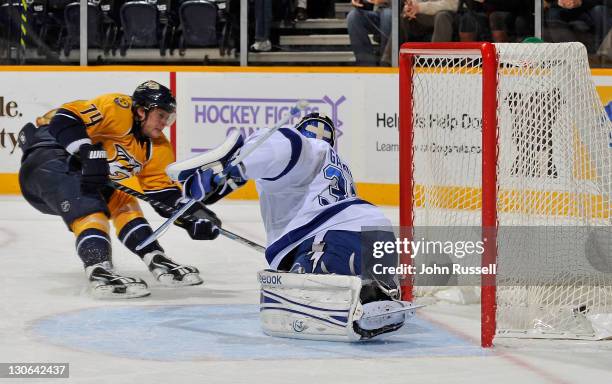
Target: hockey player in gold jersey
x,y
69,157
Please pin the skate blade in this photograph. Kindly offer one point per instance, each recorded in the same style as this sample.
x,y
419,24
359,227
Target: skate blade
x,y
129,291
189,279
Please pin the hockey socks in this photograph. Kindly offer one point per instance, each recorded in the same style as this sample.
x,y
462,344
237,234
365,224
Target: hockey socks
x,y
93,246
134,233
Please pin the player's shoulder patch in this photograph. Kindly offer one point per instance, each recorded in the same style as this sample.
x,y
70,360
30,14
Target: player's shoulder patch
x,y
123,101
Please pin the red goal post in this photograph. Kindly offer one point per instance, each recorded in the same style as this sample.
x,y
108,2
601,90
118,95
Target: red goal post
x,y
489,68
510,145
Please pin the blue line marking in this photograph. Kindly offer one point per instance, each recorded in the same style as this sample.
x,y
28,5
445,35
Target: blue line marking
x,y
226,332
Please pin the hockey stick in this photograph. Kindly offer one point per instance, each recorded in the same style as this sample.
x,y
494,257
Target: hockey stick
x,y
300,105
188,218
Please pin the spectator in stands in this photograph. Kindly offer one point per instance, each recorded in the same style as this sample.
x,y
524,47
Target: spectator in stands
x,y
604,52
497,20
422,18
263,24
368,17
511,20
576,20
473,23
301,13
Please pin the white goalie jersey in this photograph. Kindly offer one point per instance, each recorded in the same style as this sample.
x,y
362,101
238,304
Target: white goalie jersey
x,y
304,189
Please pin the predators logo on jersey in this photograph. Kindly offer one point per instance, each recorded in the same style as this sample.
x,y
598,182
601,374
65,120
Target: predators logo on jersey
x,y
123,165
123,101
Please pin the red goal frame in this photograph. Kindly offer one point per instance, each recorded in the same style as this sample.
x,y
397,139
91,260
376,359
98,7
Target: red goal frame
x,y
489,160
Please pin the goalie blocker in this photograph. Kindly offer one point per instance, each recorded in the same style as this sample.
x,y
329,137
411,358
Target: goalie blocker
x,y
325,307
214,162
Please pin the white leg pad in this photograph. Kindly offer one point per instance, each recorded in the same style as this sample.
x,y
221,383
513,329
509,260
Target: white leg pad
x,y
310,306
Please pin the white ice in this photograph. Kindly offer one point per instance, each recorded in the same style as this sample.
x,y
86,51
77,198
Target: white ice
x,y
41,277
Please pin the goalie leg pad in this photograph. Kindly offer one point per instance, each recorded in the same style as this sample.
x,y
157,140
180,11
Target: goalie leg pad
x,y
310,306
326,307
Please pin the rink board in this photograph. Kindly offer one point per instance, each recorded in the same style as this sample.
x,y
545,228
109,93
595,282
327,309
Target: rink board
x,y
225,332
213,101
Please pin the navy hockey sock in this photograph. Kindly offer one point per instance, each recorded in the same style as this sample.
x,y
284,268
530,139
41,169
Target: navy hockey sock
x,y
134,233
93,246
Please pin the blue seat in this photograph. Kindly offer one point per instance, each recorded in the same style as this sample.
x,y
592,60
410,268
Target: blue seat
x,y
141,27
199,24
95,33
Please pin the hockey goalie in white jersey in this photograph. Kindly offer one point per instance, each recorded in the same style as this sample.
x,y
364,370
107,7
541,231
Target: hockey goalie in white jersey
x,y
319,285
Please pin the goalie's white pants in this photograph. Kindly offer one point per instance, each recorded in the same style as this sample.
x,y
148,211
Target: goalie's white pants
x,y
323,307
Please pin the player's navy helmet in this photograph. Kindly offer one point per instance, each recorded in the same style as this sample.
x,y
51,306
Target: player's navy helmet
x,y
318,127
151,94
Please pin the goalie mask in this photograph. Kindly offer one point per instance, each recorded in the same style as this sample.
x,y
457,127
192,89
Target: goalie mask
x,y
151,94
319,127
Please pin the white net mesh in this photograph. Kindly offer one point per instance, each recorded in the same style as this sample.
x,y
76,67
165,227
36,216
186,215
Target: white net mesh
x,y
554,180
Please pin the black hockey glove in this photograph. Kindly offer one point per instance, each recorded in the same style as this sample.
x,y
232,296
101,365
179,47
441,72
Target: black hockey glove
x,y
200,211
94,167
201,229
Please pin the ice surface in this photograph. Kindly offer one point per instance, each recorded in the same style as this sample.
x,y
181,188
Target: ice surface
x,y
210,333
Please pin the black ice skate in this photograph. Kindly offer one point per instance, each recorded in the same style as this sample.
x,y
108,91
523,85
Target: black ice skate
x,y
169,273
106,284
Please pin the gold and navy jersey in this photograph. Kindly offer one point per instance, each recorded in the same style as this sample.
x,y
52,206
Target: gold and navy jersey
x,y
108,120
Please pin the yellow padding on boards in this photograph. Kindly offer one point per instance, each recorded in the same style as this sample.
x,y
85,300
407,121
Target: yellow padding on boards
x,y
447,197
96,220
379,194
9,184
532,202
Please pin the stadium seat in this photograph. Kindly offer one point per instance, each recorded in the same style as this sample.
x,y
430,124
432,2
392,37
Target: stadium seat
x,y
95,33
198,20
141,27
54,26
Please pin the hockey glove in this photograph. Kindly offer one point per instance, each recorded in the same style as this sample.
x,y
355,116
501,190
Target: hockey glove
x,y
94,167
234,180
200,184
208,183
201,229
200,211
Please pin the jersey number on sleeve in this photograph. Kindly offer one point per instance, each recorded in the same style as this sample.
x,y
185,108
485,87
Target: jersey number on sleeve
x,y
341,186
93,114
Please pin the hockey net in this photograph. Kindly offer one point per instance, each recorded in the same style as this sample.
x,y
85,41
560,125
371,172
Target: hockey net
x,y
513,139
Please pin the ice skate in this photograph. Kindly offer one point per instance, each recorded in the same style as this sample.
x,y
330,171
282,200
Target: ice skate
x,y
170,273
106,284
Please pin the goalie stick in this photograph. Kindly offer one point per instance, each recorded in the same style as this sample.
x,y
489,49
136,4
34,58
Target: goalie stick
x,y
299,106
189,218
